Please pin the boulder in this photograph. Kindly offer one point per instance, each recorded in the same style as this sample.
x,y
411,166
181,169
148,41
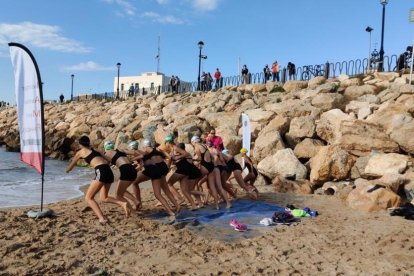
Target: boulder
x,y
340,189
267,144
329,87
354,92
327,101
259,115
358,170
390,163
316,81
409,186
308,148
351,82
403,135
294,85
361,137
284,164
386,76
365,198
279,123
330,163
302,127
283,185
329,124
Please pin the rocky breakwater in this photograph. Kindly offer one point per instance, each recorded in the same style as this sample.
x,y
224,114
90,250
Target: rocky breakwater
x,y
351,137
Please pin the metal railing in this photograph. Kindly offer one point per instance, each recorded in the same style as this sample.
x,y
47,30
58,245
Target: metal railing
x,y
327,69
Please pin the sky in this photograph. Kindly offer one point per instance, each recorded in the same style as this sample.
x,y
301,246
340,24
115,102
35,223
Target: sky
x,y
88,38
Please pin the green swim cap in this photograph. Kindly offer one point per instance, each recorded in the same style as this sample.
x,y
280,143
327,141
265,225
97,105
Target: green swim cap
x,y
169,138
108,145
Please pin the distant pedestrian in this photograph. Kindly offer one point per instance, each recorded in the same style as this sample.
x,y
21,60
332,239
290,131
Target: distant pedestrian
x,y
275,71
61,98
172,83
203,81
177,84
245,74
131,91
209,80
291,71
217,78
266,73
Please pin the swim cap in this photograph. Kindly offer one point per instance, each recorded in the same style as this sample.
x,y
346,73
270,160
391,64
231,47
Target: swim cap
x,y
84,141
147,143
225,151
195,139
181,146
169,138
243,150
108,145
133,145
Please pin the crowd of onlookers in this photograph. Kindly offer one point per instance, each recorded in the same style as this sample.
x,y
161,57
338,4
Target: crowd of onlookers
x,y
4,104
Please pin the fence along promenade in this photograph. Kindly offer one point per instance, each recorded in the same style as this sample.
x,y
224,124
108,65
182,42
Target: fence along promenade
x,y
329,69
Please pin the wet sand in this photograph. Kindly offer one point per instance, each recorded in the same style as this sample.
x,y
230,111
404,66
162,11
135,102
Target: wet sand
x,y
340,241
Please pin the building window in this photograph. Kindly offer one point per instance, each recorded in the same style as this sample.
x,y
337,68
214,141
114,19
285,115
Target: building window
x,y
122,87
152,86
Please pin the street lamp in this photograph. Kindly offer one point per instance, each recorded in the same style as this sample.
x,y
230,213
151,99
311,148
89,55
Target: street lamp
x,y
381,61
117,90
200,56
369,30
71,91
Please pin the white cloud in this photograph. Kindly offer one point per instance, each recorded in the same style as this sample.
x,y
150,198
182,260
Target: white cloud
x,y
205,5
163,2
127,8
88,66
168,19
41,36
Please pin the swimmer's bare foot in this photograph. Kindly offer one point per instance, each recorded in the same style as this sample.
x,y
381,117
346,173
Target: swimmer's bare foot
x,y
217,207
158,204
126,207
206,195
104,221
228,205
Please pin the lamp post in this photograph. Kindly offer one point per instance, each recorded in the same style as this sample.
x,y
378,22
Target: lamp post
x,y
71,91
200,45
381,52
369,30
117,89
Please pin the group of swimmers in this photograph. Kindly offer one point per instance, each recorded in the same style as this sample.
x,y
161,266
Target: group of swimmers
x,y
205,174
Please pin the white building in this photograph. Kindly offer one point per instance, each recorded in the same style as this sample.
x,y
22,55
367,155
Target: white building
x,y
149,82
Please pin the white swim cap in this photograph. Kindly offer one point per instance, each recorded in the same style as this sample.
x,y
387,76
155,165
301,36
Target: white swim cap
x,y
133,145
195,139
147,143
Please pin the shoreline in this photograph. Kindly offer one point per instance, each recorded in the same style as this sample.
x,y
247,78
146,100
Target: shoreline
x,y
339,241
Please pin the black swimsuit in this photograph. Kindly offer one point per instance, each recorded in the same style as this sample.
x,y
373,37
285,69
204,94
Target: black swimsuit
x,y
187,168
103,172
152,171
232,165
208,165
161,165
128,172
250,168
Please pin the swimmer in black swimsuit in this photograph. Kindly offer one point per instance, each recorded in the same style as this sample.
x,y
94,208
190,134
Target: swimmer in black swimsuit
x,y
103,180
206,167
236,169
251,177
127,172
186,173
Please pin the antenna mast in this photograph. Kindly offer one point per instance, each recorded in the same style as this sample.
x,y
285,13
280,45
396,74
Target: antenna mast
x,y
158,55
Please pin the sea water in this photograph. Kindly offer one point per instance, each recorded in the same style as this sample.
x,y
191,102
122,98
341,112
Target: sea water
x,y
20,184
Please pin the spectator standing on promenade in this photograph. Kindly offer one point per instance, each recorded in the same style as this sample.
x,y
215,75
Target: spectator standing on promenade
x,y
245,74
131,91
61,98
275,71
177,84
217,78
172,83
209,81
291,70
203,81
266,73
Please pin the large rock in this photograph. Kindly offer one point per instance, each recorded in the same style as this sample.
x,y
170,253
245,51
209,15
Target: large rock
x,y
354,92
302,127
409,186
267,144
403,135
329,123
363,198
385,115
283,185
284,164
308,148
295,85
259,115
327,101
361,137
279,123
390,163
315,82
330,163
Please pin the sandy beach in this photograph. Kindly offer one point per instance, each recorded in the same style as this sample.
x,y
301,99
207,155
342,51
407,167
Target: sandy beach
x,y
340,241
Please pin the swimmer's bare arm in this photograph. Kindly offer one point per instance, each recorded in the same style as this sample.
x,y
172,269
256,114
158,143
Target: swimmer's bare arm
x,y
72,164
